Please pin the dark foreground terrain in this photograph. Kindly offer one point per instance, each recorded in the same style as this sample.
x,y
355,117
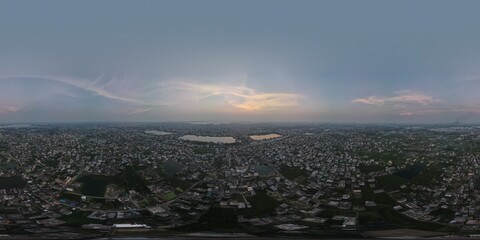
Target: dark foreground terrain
x,y
302,181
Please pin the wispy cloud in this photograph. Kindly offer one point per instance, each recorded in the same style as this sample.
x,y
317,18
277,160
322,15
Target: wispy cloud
x,y
458,109
78,83
469,78
148,94
240,97
399,98
8,109
406,114
139,110
372,100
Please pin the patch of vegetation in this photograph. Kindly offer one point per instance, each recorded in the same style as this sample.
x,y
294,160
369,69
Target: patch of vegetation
x,y
170,168
51,163
12,182
203,150
444,215
411,171
169,196
132,180
178,183
427,177
4,146
78,218
174,180
223,218
293,173
391,182
379,198
384,217
371,168
95,185
71,197
216,219
394,156
262,204
218,162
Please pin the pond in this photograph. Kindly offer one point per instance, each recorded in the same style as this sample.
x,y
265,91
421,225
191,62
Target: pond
x,y
196,138
265,136
159,133
12,182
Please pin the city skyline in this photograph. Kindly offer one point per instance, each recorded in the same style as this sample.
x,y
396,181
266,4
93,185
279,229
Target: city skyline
x,y
313,61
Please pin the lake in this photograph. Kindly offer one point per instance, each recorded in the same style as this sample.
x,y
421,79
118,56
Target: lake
x,y
265,136
159,133
208,139
12,182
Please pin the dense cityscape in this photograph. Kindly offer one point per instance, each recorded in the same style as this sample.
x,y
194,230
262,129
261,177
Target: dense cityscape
x,y
243,179
259,120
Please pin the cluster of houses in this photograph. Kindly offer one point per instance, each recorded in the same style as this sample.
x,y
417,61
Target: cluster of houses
x,y
308,175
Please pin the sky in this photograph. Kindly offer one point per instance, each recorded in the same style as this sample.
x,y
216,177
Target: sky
x,y
264,60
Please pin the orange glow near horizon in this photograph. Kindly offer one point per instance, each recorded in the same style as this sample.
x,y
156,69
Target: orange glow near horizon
x,y
243,98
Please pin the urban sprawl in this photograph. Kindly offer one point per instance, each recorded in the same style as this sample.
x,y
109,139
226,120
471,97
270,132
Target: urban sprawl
x,y
240,179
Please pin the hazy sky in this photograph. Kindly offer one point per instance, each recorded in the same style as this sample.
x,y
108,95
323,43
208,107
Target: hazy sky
x,y
321,61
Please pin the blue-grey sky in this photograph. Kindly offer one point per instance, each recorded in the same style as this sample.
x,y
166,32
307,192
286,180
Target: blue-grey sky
x,y
317,61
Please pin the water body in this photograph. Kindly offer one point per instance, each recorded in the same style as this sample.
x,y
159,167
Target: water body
x,y
264,136
263,170
208,139
12,182
159,133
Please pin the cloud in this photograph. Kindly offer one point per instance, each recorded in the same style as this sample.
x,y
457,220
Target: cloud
x,y
459,109
147,94
372,100
8,109
78,83
400,98
139,110
265,101
406,113
240,97
469,78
